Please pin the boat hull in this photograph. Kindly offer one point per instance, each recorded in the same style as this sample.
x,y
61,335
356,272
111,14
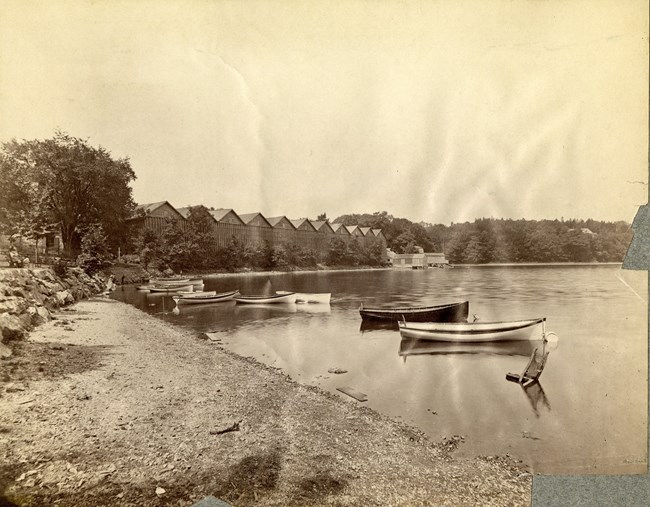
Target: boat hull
x,y
266,300
470,332
454,312
203,298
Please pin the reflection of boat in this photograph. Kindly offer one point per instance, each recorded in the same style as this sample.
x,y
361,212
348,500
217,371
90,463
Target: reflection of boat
x,y
466,332
305,297
285,297
412,347
202,297
171,288
264,310
376,325
452,312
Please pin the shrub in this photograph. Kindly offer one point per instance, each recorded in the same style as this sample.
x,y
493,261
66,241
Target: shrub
x,y
60,267
94,250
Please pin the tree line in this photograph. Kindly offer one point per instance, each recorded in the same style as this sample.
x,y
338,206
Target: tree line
x,y
64,184
490,240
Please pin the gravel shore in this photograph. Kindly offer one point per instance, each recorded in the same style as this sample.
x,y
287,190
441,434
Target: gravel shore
x,y
108,406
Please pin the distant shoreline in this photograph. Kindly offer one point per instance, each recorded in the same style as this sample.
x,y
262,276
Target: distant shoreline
x,y
535,264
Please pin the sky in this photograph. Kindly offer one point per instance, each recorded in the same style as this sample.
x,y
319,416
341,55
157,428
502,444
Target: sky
x,y
437,111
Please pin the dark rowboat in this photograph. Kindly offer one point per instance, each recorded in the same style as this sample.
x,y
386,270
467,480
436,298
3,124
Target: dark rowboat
x,y
452,312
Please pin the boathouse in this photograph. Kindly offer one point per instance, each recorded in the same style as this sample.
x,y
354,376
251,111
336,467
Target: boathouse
x,y
254,229
155,216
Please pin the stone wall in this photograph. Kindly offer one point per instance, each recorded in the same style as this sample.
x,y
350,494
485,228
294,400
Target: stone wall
x,y
29,295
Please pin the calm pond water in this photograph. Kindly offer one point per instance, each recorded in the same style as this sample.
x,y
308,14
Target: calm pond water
x,y
587,415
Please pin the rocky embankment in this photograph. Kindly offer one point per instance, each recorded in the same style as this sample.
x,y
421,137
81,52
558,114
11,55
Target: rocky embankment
x,y
29,295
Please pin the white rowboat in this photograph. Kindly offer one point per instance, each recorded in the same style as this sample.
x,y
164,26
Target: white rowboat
x,y
473,332
171,288
287,297
198,294
168,281
305,297
202,297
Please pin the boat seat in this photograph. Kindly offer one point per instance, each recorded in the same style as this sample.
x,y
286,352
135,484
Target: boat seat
x,y
533,369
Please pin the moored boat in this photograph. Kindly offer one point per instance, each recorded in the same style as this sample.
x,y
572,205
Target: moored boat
x,y
171,288
451,312
318,298
474,332
284,297
306,297
204,297
168,281
196,294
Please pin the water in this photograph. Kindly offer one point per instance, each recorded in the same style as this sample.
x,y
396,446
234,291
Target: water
x,y
587,415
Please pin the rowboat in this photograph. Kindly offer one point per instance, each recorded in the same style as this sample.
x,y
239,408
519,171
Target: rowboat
x,y
196,294
171,288
204,297
285,297
152,286
474,332
321,298
168,281
305,297
452,312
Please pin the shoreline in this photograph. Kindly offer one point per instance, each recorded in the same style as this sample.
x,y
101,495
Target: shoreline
x,y
118,270
106,404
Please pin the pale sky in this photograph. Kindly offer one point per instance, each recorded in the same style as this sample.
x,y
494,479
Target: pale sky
x,y
442,111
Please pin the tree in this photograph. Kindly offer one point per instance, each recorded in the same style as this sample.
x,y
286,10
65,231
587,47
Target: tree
x,y
149,246
95,255
64,182
336,252
322,217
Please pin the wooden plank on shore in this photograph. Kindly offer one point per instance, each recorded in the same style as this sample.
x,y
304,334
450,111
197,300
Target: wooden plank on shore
x,y
357,395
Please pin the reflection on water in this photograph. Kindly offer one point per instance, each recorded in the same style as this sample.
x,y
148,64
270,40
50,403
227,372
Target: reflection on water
x,y
595,376
537,397
376,325
409,347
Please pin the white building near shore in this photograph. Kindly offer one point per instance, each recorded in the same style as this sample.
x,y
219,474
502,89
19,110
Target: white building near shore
x,y
419,260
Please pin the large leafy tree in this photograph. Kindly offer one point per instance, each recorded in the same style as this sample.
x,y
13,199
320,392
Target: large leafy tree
x,y
67,183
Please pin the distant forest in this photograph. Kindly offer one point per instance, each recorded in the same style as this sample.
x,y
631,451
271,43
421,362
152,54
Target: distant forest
x,y
498,240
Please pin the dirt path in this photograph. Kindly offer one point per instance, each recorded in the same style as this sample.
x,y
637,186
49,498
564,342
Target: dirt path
x,y
109,406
